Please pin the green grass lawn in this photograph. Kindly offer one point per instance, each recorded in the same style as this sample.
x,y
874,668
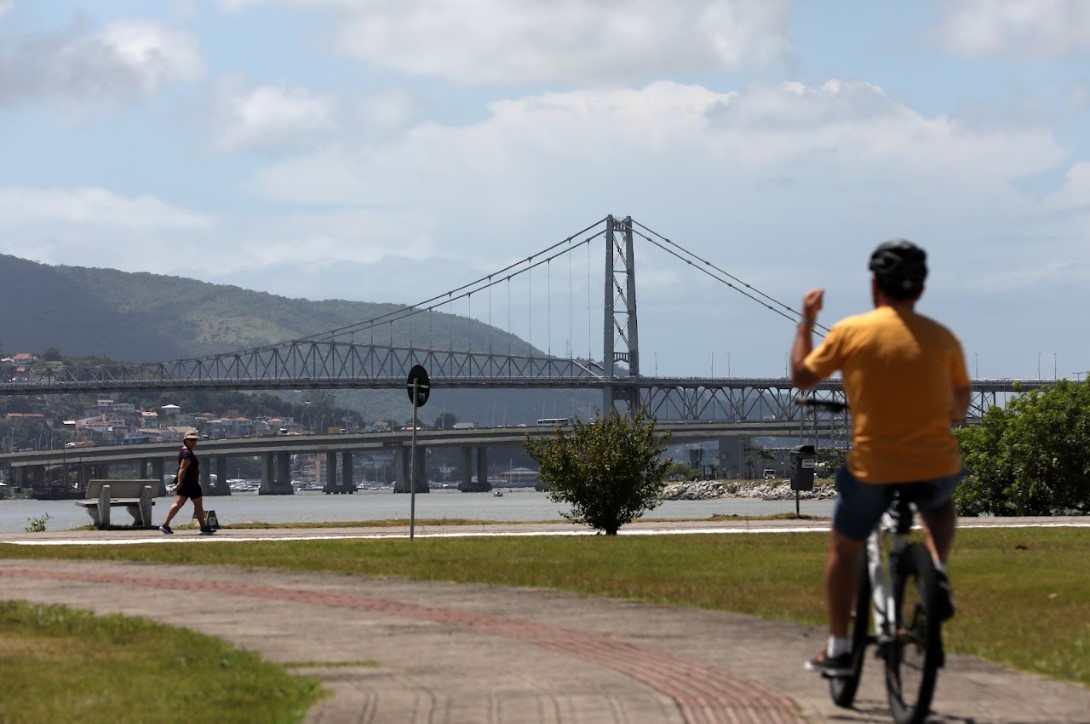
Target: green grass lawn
x,y
61,665
1022,594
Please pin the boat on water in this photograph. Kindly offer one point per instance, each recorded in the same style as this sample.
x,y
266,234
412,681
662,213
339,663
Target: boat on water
x,y
239,485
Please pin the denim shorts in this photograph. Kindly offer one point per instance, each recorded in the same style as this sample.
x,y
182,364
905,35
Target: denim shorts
x,y
860,505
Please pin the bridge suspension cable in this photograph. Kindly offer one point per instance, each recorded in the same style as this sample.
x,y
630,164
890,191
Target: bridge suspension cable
x,y
713,271
505,274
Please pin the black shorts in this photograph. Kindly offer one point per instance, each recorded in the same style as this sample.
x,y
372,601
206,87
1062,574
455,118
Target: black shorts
x,y
189,490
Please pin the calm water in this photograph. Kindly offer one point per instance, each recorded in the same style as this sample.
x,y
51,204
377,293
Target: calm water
x,y
315,507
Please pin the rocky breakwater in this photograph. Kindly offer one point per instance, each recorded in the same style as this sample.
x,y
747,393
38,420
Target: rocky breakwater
x,y
760,489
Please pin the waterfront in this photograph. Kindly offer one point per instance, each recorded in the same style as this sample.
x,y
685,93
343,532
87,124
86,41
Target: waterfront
x,y
516,505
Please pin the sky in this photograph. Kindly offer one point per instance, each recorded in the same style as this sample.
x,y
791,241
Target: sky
x,y
391,150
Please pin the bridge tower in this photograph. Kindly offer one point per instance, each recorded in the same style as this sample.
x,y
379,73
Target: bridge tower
x,y
621,338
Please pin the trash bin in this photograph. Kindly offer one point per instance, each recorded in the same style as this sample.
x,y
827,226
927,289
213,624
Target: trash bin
x,y
802,468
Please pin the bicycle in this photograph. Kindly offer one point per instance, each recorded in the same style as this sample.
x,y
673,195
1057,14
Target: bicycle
x,y
897,609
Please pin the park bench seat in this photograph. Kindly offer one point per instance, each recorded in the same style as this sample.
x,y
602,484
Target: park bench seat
x,y
135,495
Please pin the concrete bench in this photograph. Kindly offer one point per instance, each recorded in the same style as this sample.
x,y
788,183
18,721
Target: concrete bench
x,y
135,495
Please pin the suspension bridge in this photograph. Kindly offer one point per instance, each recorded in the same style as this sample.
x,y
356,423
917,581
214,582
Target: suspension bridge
x,y
365,355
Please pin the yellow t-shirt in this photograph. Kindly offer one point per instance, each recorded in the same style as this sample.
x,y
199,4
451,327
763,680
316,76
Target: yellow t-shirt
x,y
900,370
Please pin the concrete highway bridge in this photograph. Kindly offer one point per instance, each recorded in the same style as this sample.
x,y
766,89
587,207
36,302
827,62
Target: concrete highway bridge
x,y
154,461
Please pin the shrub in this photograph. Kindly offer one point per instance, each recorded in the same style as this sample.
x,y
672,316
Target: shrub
x,y
608,470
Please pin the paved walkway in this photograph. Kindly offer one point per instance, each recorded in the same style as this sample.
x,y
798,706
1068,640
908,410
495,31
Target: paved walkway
x,y
405,651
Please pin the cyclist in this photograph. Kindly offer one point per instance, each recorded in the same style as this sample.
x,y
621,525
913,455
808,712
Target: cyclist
x,y
906,381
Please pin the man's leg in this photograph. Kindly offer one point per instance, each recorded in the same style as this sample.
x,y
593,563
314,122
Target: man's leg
x,y
840,578
939,525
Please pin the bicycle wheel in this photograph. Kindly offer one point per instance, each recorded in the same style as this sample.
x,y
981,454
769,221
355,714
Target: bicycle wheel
x,y
913,656
842,688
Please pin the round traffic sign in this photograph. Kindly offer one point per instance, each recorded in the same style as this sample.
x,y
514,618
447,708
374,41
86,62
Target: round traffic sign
x,y
418,379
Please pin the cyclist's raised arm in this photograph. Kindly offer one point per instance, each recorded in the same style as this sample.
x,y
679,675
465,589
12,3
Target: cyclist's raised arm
x,y
801,376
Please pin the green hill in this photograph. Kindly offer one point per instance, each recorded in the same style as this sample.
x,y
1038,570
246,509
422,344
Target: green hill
x,y
140,317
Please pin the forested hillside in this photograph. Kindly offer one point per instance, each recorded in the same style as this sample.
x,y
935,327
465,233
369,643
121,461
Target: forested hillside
x,y
140,317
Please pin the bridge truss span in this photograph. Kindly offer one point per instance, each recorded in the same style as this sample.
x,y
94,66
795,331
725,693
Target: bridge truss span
x,y
319,364
738,399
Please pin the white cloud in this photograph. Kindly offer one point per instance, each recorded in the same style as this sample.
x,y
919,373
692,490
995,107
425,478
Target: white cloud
x,y
1062,273
568,41
94,207
6,6
390,112
98,228
564,145
1075,193
268,117
80,67
331,240
1020,29
786,169
153,52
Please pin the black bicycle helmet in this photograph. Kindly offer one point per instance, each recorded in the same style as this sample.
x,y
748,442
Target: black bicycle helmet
x,y
900,268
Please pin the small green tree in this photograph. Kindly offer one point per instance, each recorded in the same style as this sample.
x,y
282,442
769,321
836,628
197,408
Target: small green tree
x,y
608,470
1031,457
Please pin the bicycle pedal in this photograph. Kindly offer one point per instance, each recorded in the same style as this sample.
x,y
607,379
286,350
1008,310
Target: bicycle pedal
x,y
828,675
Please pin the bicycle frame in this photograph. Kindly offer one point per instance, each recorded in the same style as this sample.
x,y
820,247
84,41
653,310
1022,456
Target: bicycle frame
x,y
882,559
897,582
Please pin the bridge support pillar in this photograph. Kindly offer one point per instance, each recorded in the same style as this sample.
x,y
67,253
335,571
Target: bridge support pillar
x,y
481,485
482,469
153,468
737,458
330,472
401,463
348,485
467,470
276,474
343,483
86,471
220,487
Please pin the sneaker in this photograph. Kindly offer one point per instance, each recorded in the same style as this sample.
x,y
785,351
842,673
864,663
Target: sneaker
x,y
166,529
945,596
207,531
831,666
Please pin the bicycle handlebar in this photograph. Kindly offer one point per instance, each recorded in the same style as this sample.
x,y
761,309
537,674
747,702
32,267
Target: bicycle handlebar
x,y
830,405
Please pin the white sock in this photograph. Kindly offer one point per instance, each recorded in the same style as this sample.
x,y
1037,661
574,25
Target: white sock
x,y
837,645
940,567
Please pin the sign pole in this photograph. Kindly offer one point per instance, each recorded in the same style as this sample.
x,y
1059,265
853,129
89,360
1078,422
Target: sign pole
x,y
419,388
412,468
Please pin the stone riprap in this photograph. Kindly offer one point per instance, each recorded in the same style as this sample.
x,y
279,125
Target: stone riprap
x,y
760,489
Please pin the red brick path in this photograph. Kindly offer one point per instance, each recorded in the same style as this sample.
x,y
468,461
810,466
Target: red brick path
x,y
704,694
